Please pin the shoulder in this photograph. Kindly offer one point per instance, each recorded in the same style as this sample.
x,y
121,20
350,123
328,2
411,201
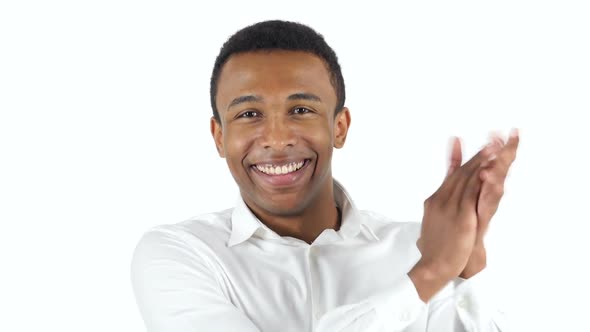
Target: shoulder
x,y
198,236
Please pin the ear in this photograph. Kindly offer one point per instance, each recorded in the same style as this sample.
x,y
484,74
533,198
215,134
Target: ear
x,y
341,125
217,133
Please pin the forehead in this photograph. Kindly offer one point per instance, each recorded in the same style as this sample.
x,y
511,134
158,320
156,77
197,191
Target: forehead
x,y
274,74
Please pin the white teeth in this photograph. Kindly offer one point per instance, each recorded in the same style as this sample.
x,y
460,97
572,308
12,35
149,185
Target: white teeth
x,y
278,170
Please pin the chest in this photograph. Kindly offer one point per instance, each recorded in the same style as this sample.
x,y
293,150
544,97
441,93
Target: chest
x,y
290,288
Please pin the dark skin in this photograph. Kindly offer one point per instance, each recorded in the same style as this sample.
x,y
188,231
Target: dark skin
x,y
457,216
290,117
493,175
278,107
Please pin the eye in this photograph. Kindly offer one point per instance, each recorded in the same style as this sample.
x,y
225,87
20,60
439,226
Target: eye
x,y
249,114
301,110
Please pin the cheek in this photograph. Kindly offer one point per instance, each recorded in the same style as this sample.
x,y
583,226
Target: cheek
x,y
236,147
321,136
321,141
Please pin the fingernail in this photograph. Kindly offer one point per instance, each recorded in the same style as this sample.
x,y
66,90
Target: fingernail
x,y
514,132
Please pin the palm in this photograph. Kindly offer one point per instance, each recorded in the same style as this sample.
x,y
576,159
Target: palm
x,y
493,176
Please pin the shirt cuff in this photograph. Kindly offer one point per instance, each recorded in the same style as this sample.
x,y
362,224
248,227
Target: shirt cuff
x,y
399,306
476,304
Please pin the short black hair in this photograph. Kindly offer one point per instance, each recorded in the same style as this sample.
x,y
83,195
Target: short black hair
x,y
279,35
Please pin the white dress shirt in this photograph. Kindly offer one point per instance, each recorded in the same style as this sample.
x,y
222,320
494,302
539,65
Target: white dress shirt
x,y
227,271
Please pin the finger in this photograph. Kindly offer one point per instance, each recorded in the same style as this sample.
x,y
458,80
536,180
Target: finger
x,y
490,173
487,153
460,179
497,138
512,144
452,187
507,155
489,199
492,189
467,196
455,155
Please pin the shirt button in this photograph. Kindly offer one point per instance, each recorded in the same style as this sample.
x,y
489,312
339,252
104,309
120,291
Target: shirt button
x,y
462,303
404,316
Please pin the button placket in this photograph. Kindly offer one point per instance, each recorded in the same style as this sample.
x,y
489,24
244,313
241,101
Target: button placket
x,y
463,303
314,293
404,316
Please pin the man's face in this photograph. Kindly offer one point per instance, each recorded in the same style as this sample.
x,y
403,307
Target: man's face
x,y
278,129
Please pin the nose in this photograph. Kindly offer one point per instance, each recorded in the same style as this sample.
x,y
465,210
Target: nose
x,y
278,134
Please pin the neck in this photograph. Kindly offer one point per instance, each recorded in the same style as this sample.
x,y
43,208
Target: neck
x,y
320,215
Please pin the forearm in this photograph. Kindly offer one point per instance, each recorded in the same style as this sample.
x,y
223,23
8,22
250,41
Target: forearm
x,y
428,280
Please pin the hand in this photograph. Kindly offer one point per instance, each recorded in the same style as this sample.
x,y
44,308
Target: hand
x,y
449,227
493,176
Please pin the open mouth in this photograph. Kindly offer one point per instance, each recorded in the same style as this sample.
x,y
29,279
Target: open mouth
x,y
282,174
282,169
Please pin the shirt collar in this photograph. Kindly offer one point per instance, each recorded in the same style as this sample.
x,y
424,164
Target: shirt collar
x,y
353,222
244,224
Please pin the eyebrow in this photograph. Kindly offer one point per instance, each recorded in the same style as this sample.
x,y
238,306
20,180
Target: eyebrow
x,y
244,99
304,96
255,98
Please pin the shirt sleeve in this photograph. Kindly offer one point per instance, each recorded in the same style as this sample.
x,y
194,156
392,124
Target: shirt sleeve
x,y
464,305
176,291
467,305
391,310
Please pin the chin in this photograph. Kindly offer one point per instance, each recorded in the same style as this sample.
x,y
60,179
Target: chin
x,y
284,208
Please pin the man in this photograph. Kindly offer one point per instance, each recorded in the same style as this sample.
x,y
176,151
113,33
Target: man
x,y
296,254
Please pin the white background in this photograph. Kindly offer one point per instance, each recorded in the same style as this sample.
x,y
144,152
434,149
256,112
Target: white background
x,y
104,132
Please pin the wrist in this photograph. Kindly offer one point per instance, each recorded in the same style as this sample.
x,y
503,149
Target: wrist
x,y
477,262
428,279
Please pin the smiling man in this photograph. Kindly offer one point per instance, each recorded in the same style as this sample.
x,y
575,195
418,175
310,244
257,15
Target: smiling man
x,y
276,127
295,253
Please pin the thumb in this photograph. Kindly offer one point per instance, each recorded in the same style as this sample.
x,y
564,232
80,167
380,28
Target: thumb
x,y
455,155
